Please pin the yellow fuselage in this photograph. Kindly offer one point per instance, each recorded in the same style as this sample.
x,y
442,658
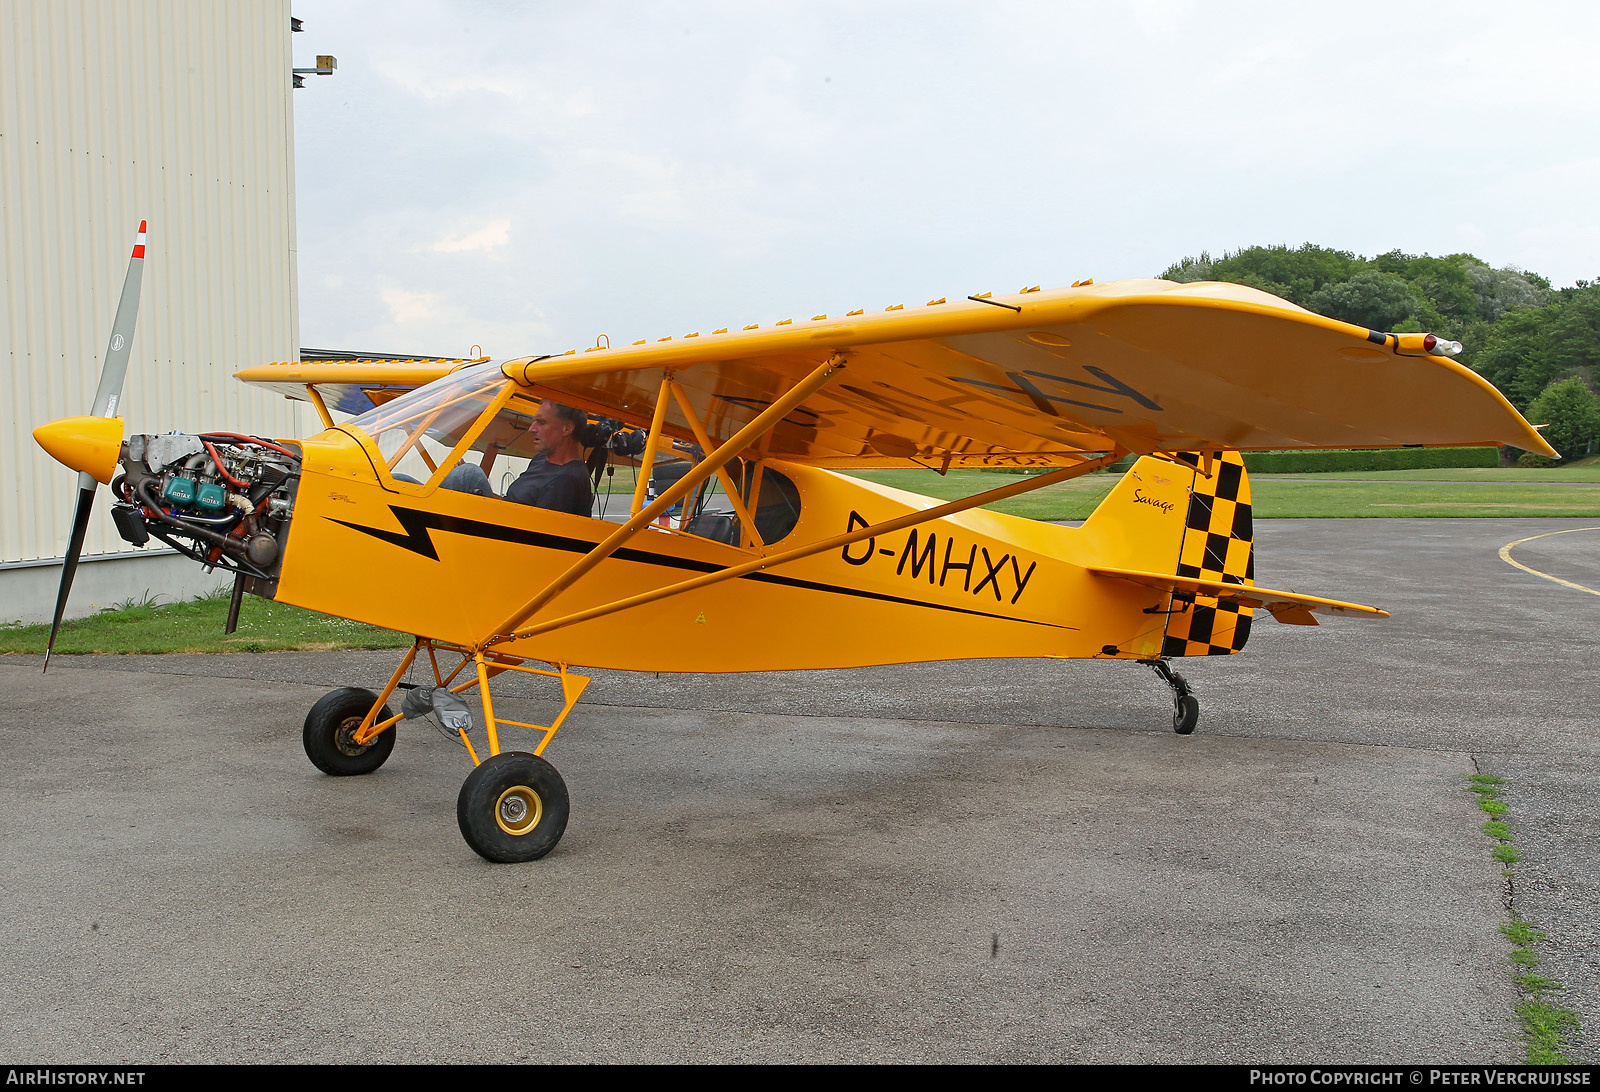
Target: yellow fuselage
x,y
450,566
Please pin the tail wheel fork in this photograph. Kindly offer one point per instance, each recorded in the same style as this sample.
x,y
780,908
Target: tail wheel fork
x,y
1185,706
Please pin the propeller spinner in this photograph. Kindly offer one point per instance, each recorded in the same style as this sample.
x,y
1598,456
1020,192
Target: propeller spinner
x,y
90,444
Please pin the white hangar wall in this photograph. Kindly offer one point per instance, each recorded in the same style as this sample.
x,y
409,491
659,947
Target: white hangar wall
x,y
179,112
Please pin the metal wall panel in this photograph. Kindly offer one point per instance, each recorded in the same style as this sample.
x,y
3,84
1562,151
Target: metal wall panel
x,y
113,111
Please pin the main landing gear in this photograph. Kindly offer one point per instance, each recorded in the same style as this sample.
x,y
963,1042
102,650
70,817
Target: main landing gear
x,y
331,728
1185,706
513,808
513,805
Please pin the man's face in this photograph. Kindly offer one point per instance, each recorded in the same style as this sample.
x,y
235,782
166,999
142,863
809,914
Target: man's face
x,y
548,429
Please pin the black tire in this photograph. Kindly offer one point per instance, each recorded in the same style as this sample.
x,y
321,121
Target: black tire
x,y
513,808
1186,714
328,729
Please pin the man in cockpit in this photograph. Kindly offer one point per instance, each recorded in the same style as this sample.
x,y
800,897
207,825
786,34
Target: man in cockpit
x,y
557,478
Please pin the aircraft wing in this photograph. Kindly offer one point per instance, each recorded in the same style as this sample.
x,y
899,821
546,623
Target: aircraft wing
x,y
1290,607
351,386
1034,378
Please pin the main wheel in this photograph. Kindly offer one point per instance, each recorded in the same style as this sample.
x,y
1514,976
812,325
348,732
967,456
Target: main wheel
x,y
513,808
330,730
1186,714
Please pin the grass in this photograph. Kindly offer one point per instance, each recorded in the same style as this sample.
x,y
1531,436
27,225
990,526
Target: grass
x,y
141,626
1545,1024
1073,499
1305,496
1284,498
1581,474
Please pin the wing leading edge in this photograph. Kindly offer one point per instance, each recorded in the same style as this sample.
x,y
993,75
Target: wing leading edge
x,y
1039,377
1033,379
352,386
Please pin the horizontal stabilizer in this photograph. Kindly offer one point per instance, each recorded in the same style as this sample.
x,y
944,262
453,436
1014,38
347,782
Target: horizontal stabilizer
x,y
1289,607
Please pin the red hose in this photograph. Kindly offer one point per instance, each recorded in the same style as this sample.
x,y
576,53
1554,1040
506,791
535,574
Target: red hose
x,y
243,439
229,478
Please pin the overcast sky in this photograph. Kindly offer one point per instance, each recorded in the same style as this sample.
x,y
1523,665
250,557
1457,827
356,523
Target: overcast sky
x,y
526,176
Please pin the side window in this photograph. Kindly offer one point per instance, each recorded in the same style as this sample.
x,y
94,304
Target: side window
x,y
711,513
777,502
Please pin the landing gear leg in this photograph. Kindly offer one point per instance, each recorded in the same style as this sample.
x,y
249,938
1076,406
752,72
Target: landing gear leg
x,y
513,806
1185,706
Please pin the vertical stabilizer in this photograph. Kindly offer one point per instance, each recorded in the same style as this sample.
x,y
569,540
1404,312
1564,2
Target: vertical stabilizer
x,y
1190,518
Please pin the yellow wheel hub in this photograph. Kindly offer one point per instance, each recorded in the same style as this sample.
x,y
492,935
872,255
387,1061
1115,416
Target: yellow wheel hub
x,y
518,810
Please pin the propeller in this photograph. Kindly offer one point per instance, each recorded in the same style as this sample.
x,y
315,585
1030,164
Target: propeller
x,y
90,445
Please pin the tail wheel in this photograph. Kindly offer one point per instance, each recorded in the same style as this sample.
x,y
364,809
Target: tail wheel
x,y
513,808
330,729
1186,714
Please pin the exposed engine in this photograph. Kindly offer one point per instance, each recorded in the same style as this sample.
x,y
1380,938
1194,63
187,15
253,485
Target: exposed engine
x,y
221,498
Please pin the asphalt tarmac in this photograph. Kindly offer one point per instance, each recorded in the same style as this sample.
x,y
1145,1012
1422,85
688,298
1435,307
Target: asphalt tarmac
x,y
946,862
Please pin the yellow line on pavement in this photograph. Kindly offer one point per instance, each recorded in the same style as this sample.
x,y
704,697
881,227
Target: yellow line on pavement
x,y
1505,555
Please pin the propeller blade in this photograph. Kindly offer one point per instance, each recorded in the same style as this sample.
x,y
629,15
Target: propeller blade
x,y
115,368
106,397
80,528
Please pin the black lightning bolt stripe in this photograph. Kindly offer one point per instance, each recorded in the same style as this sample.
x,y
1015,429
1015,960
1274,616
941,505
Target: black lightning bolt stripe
x,y
418,523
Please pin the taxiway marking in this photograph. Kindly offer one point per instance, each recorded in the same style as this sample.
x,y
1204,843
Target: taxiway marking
x,y
1505,555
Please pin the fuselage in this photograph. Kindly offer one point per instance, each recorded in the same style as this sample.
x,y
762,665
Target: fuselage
x,y
450,566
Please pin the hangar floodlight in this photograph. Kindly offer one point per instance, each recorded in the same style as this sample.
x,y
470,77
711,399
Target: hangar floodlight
x,y
326,63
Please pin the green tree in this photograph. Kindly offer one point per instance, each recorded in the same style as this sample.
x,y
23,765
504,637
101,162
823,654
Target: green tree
x,y
1574,334
1378,301
1517,332
1443,284
1291,272
1570,413
1500,290
1516,354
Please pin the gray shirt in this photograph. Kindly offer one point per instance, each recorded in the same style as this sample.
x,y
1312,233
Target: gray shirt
x,y
564,487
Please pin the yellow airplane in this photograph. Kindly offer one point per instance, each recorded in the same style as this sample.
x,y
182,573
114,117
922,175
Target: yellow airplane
x,y
804,567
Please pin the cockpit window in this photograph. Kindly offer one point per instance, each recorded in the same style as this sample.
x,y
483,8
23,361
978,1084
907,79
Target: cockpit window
x,y
418,429
777,502
776,509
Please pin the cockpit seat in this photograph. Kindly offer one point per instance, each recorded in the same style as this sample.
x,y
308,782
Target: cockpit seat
x,y
716,526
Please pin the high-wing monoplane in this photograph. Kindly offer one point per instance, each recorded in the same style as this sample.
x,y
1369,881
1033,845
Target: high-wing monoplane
x,y
795,564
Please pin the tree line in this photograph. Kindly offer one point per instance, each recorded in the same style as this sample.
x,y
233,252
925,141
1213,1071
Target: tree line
x,y
1540,345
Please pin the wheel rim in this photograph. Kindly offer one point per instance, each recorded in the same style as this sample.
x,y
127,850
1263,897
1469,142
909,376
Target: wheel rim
x,y
518,810
345,738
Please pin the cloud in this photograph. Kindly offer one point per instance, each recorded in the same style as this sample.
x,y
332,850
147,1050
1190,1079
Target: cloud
x,y
495,233
653,169
411,307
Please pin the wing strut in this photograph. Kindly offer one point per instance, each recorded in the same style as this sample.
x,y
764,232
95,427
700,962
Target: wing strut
x,y
652,442
714,461
910,519
703,438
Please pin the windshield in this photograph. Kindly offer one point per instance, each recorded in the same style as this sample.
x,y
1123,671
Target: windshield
x,y
417,429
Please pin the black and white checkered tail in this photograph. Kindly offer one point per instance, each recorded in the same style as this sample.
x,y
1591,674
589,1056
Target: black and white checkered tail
x,y
1217,545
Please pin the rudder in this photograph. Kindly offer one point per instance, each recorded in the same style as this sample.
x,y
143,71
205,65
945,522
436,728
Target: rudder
x,y
1218,544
